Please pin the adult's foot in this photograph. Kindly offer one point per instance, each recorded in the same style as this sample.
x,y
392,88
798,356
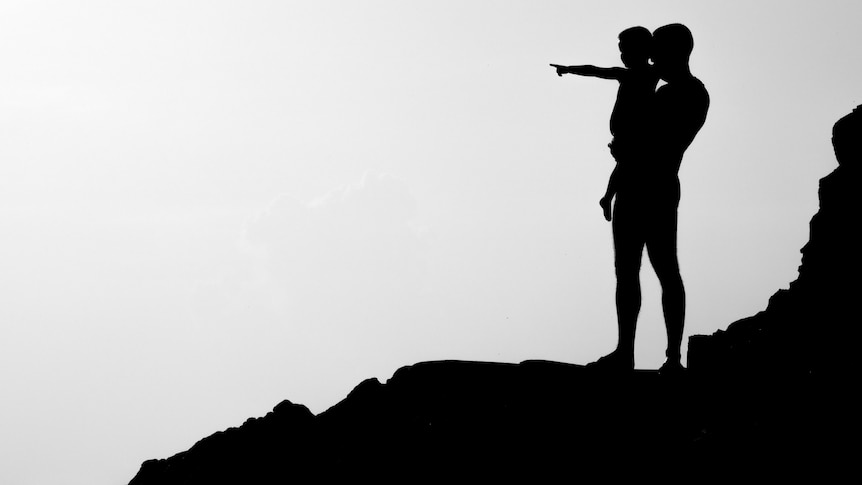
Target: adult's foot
x,y
616,361
671,368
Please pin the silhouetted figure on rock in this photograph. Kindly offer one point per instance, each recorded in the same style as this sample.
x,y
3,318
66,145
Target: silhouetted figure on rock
x,y
631,114
648,194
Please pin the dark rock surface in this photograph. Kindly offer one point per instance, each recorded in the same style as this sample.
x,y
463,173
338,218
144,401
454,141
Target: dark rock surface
x,y
771,397
808,332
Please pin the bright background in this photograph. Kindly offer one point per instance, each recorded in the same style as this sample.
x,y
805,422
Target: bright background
x,y
207,207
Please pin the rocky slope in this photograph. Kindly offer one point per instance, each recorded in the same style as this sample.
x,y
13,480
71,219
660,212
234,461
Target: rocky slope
x,y
809,330
771,396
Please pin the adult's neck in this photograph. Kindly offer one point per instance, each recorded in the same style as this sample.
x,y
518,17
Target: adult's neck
x,y
679,74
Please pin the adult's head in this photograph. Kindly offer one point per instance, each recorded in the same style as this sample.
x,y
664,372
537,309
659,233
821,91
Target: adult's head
x,y
846,134
671,49
635,46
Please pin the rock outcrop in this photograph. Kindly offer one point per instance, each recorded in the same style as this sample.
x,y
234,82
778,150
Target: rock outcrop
x,y
771,396
810,328
439,420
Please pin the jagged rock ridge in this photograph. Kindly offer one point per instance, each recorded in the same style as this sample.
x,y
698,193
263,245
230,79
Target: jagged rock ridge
x,y
771,395
809,328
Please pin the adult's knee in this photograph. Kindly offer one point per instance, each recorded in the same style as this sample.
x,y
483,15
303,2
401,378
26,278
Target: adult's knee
x,y
628,274
670,280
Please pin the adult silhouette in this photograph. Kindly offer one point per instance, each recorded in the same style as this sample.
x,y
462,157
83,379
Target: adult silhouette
x,y
645,210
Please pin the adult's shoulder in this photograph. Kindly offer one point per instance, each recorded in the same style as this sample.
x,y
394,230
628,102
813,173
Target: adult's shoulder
x,y
696,86
691,88
700,91
699,85
698,100
691,84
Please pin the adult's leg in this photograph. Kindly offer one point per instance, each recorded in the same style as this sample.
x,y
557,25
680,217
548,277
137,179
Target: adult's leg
x,y
628,252
662,249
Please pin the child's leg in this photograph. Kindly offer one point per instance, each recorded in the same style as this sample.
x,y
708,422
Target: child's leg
x,y
605,202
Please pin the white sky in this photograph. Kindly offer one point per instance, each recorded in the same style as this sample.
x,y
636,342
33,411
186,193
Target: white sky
x,y
208,207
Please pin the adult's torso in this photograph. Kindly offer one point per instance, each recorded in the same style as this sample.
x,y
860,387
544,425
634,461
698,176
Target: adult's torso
x,y
678,112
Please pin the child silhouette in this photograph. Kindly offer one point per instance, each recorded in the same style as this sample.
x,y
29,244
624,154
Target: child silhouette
x,y
630,117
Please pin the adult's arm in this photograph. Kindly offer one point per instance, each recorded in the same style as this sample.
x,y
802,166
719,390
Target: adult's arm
x,y
681,112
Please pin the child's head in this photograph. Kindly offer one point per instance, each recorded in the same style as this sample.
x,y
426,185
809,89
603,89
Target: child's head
x,y
635,46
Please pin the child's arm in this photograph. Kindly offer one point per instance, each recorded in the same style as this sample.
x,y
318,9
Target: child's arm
x,y
615,73
612,185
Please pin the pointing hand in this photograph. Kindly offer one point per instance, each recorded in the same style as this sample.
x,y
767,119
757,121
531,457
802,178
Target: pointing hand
x,y
560,69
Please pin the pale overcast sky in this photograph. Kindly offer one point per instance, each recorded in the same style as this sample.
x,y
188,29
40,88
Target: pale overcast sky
x,y
209,206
